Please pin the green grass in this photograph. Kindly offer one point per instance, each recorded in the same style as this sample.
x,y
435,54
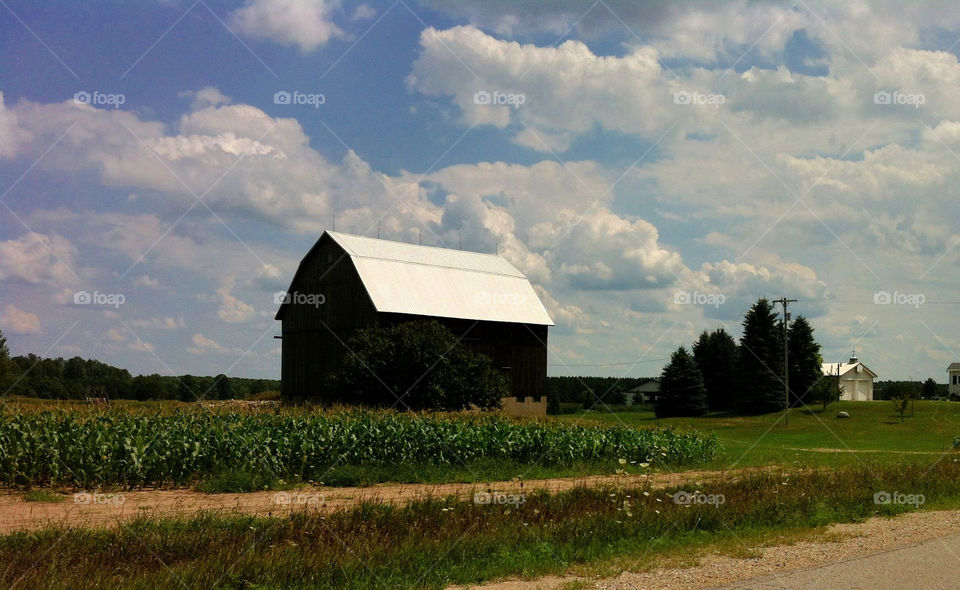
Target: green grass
x,y
437,542
43,496
763,440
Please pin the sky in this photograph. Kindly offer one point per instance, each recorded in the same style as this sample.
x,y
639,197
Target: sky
x,y
652,167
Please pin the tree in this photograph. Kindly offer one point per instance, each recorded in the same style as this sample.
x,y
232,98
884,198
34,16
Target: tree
x,y
418,365
900,405
223,386
760,361
187,390
9,370
827,390
930,388
805,361
716,357
681,387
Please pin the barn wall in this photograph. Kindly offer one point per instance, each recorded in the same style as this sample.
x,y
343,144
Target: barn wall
x,y
312,335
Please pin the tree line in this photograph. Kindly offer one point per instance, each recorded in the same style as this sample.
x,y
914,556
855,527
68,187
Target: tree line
x,y
79,378
720,374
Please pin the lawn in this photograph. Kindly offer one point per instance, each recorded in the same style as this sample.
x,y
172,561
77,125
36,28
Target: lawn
x,y
766,439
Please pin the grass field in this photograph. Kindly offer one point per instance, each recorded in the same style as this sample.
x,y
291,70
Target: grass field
x,y
436,542
767,439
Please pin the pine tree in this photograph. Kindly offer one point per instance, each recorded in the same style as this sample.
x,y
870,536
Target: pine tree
x,y
716,356
760,361
805,361
681,387
9,371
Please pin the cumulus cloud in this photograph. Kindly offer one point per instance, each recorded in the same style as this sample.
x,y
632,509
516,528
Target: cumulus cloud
x,y
307,24
37,258
17,321
232,309
204,345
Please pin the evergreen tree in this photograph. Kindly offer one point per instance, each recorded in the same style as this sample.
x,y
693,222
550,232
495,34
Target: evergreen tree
x,y
929,388
681,387
716,356
805,361
760,361
9,371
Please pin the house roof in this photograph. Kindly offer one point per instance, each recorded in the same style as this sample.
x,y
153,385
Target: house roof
x,y
651,386
954,367
831,368
430,281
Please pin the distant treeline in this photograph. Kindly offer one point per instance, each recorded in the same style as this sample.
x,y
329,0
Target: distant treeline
x,y
79,378
928,389
590,391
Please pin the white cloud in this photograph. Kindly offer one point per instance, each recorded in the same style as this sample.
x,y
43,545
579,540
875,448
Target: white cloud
x,y
232,309
204,345
17,321
146,281
307,24
38,258
166,323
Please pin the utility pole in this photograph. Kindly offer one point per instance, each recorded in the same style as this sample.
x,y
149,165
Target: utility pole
x,y
786,358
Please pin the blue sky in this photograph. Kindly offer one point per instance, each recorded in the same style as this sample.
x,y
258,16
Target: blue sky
x,y
667,164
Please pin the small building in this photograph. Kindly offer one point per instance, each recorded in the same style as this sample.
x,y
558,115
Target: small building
x,y
643,392
953,379
348,282
855,379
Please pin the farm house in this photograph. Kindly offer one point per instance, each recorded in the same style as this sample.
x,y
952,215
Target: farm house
x,y
347,282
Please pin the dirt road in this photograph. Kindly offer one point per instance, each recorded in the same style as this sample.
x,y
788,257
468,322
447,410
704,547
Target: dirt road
x,y
90,508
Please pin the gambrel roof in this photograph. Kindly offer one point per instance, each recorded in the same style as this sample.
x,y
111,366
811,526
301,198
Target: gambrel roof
x,y
431,281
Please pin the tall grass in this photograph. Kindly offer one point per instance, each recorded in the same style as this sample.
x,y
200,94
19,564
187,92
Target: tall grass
x,y
436,542
119,448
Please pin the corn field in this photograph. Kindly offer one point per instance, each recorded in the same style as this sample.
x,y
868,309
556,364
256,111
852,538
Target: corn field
x,y
121,448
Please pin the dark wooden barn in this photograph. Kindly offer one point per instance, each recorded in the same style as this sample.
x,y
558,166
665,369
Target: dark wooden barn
x,y
347,282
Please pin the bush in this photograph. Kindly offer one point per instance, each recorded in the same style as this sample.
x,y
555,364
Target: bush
x,y
417,365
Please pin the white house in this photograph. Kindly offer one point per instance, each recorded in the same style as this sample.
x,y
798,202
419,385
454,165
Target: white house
x,y
953,379
640,394
856,379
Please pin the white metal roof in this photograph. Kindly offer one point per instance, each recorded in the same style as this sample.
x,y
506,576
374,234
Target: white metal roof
x,y
431,281
831,368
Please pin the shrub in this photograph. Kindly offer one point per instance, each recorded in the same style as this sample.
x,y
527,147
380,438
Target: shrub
x,y
417,365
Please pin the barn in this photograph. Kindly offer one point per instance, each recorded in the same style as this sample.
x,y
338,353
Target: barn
x,y
347,282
